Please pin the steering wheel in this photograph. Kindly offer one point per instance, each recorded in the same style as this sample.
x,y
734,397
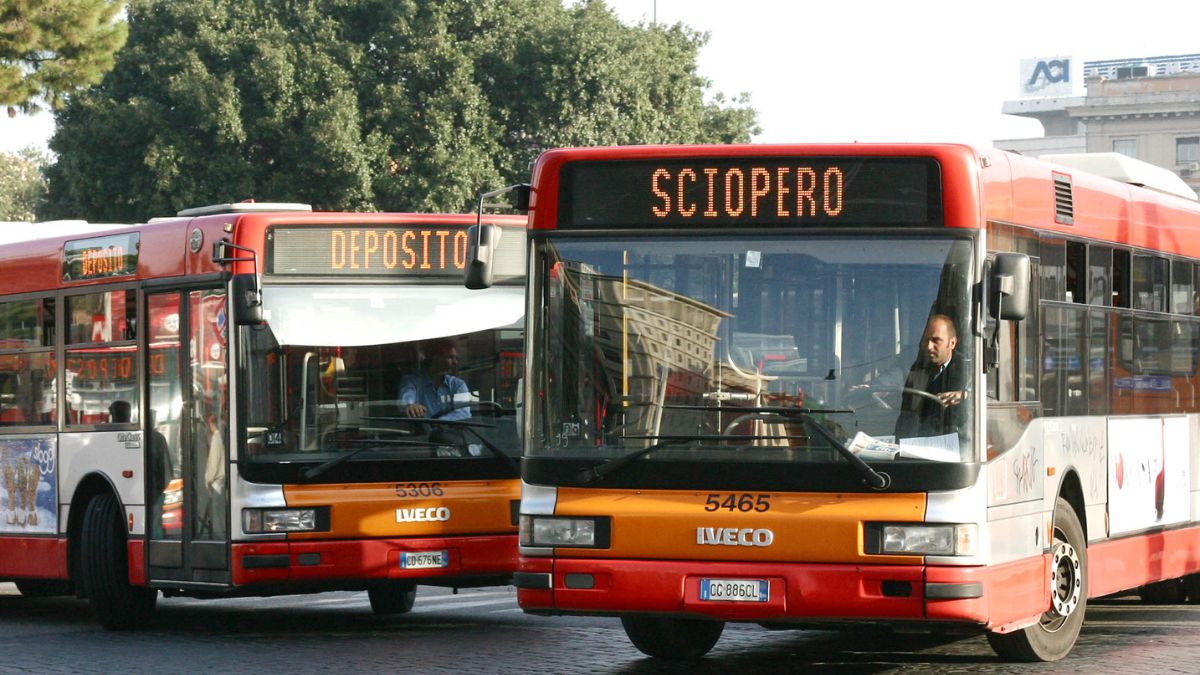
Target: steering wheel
x,y
879,394
492,407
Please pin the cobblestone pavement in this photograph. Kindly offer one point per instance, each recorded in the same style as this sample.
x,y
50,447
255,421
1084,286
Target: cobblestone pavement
x,y
483,631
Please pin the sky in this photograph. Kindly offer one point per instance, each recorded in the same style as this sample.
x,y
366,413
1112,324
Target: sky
x,y
866,70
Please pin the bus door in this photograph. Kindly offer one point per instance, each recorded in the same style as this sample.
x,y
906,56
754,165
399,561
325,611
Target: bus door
x,y
187,437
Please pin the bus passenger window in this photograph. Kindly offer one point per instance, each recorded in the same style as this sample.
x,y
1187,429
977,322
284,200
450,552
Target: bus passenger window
x,y
1181,287
1054,269
1100,274
1076,275
1120,279
1149,283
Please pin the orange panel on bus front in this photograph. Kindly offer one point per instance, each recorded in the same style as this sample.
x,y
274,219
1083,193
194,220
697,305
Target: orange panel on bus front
x,y
700,525
413,509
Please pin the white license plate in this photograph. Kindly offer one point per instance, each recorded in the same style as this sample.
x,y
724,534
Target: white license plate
x,y
734,590
418,560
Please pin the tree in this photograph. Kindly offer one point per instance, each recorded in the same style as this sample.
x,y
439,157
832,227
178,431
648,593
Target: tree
x,y
52,48
368,104
22,185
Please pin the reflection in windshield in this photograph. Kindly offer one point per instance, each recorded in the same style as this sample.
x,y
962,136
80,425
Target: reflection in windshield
x,y
375,377
721,341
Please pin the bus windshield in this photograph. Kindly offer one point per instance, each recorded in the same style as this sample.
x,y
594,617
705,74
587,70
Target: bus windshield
x,y
763,348
377,372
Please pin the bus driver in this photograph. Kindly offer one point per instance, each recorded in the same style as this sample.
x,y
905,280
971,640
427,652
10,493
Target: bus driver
x,y
941,377
436,392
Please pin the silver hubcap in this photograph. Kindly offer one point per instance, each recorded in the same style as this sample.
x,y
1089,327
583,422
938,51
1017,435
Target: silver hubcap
x,y
1066,581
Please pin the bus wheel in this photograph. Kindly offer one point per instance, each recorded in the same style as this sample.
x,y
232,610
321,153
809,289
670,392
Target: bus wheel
x,y
43,588
1169,592
1191,588
117,604
392,598
674,639
1053,636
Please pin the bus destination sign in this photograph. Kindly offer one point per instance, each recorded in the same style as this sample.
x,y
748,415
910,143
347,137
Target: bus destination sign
x,y
114,255
750,192
417,250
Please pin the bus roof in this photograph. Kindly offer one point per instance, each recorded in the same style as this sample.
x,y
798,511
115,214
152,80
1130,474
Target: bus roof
x,y
33,255
1118,167
1124,203
13,231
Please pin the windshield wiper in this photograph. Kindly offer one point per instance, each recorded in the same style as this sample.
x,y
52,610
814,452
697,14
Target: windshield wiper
x,y
314,471
492,448
601,470
472,427
876,479
783,410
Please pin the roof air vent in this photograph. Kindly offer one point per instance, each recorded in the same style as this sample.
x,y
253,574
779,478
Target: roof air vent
x,y
1064,206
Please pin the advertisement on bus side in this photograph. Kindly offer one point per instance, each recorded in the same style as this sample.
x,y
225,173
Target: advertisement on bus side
x,y
1147,473
28,485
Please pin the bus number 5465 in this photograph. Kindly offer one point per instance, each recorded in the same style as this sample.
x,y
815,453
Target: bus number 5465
x,y
738,502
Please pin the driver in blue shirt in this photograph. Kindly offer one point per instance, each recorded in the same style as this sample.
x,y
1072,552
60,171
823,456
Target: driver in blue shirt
x,y
435,392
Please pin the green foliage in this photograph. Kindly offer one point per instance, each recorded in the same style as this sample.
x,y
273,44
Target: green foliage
x,y
52,48
22,185
408,105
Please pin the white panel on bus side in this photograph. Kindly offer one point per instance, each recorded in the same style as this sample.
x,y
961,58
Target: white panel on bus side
x,y
1079,445
1015,497
1194,451
108,453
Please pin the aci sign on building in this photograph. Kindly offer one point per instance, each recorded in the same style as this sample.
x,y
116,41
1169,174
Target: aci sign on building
x,y
1046,77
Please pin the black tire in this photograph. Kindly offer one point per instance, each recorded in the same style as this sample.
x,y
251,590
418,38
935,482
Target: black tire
x,y
104,569
1169,592
671,638
43,588
1191,588
1053,636
392,598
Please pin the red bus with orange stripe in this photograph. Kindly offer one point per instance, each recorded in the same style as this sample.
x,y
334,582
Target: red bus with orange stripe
x,y
214,405
728,347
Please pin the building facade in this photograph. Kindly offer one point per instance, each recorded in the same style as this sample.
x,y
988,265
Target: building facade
x,y
1145,108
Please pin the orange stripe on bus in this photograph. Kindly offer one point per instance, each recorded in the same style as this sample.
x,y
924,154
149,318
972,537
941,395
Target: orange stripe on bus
x,y
410,509
675,525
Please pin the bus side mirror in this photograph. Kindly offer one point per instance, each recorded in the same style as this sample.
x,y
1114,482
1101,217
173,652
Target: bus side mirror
x,y
247,300
482,242
1010,286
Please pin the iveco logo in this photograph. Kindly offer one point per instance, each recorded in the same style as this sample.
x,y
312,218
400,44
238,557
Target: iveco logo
x,y
440,513
732,536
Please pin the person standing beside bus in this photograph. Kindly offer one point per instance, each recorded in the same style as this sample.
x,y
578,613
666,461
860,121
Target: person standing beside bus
x,y
936,385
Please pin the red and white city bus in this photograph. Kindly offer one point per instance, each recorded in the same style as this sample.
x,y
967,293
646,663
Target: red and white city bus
x,y
725,419
230,418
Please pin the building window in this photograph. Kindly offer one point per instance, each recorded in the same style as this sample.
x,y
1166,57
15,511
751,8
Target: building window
x,y
1125,146
1187,150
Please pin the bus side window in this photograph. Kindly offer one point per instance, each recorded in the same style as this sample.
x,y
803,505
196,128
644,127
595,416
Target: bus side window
x,y
1077,276
1054,269
1100,274
1120,278
1181,287
1150,283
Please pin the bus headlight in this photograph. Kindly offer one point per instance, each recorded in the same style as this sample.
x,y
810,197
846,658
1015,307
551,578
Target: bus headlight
x,y
556,531
269,521
921,539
